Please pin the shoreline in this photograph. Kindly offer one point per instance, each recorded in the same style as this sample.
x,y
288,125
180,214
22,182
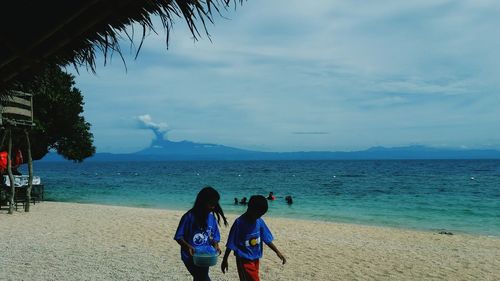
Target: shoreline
x,y
231,212
75,241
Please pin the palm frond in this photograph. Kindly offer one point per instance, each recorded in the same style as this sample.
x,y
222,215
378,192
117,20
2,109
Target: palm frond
x,y
73,32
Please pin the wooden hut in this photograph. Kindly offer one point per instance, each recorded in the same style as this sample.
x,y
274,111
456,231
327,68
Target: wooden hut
x,y
16,114
61,32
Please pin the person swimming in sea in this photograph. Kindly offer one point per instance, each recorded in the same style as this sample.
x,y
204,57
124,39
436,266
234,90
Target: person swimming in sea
x,y
243,201
289,200
271,196
235,201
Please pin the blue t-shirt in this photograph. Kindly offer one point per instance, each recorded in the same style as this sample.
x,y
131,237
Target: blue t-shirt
x,y
246,238
194,235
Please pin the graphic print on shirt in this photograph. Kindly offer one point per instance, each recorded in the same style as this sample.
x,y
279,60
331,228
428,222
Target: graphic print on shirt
x,y
252,240
202,237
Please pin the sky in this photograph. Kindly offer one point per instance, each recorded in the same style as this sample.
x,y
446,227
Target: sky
x,y
323,75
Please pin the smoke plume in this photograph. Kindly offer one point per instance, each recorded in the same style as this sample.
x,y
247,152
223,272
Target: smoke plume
x,y
160,129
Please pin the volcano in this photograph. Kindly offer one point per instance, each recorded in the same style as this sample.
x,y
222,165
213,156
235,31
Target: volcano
x,y
186,149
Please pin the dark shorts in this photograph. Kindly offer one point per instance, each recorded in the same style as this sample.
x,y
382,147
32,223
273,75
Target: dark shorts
x,y
248,270
198,273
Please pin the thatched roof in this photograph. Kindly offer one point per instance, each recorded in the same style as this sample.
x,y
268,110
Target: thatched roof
x,y
63,32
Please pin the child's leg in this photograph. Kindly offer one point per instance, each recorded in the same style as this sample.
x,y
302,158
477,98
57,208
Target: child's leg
x,y
198,273
248,270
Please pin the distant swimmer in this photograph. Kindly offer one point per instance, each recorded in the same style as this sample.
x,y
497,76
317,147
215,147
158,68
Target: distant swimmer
x,y
235,201
289,200
243,201
271,196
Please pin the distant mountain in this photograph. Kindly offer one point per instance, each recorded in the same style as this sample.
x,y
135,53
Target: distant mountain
x,y
164,150
162,147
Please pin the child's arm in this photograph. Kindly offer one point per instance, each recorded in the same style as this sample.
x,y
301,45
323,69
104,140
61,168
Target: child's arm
x,y
223,265
216,246
275,249
186,246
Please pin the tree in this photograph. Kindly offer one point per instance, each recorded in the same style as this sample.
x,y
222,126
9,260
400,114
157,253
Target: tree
x,y
57,109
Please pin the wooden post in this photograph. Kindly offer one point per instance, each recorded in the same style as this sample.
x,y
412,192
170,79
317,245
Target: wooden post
x,y
11,176
4,135
3,138
30,171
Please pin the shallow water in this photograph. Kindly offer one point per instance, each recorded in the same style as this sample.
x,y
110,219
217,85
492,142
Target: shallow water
x,y
455,195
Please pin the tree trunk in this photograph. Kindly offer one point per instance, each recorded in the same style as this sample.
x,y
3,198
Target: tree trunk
x,y
30,171
11,176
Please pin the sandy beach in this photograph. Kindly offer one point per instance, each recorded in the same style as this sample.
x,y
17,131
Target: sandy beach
x,y
66,241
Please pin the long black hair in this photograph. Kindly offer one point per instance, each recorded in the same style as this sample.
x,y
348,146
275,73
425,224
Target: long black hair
x,y
207,195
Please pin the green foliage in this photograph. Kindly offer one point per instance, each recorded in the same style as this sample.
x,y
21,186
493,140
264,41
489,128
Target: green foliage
x,y
57,109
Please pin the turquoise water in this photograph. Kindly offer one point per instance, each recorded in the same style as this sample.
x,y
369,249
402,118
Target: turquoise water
x,y
456,195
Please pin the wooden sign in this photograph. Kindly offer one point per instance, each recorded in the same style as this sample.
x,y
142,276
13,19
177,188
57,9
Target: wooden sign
x,y
17,110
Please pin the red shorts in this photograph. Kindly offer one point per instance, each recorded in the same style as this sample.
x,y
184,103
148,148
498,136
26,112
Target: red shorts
x,y
248,270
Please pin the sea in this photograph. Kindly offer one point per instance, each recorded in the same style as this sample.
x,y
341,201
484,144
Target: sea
x,y
458,196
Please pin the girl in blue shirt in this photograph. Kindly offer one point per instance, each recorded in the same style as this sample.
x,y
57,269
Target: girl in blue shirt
x,y
199,228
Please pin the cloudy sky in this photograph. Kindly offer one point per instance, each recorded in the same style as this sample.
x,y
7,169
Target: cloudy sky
x,y
288,75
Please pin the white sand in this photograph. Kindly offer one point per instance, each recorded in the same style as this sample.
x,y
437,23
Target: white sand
x,y
63,241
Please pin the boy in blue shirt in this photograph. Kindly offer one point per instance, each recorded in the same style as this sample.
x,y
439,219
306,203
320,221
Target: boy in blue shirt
x,y
247,237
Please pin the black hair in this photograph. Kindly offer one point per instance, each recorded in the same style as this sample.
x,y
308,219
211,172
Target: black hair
x,y
257,204
207,195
